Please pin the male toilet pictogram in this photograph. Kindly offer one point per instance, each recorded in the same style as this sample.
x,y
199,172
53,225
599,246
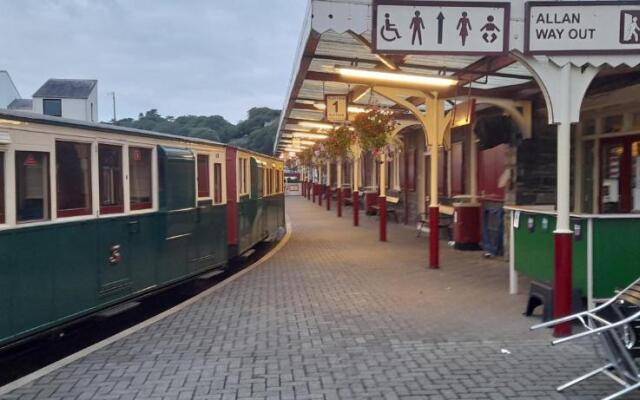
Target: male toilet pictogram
x,y
417,25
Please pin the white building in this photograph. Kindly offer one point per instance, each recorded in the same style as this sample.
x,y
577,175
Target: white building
x,y
8,91
68,98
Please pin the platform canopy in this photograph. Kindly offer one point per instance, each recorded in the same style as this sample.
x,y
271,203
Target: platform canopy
x,y
338,34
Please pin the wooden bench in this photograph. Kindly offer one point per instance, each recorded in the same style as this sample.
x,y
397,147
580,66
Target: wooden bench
x,y
394,206
444,222
348,201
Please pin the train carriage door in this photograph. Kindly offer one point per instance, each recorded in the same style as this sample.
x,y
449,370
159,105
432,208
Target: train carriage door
x,y
113,233
257,192
177,177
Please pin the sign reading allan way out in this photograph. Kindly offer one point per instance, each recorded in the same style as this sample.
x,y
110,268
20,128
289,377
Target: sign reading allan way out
x,y
441,27
582,27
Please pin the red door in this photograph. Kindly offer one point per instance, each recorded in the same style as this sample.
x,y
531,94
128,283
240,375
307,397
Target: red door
x,y
620,175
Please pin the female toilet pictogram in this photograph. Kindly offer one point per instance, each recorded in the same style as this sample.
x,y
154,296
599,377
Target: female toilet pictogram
x,y
464,26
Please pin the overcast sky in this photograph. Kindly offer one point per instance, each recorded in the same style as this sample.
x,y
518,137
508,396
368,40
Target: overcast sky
x,y
200,57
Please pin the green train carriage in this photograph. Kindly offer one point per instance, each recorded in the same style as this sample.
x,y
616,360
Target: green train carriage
x,y
93,215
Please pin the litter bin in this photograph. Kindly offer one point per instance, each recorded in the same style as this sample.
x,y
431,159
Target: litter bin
x,y
493,229
466,226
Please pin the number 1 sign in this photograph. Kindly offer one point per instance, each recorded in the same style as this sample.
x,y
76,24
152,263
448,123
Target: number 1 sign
x,y
337,108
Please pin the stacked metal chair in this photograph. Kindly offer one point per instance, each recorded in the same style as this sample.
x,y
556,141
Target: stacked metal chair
x,y
615,323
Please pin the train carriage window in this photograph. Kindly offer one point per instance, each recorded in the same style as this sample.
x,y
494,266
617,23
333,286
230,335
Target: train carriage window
x,y
2,212
203,176
73,178
140,186
32,186
111,187
243,174
217,183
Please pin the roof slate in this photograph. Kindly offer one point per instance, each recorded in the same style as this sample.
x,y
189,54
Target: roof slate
x,y
20,104
67,88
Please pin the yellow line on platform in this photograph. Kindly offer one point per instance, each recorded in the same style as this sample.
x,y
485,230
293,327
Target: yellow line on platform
x,y
10,387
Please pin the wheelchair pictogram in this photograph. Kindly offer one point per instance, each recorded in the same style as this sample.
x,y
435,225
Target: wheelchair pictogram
x,y
389,28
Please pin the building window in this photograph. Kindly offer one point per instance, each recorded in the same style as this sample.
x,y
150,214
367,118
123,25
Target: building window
x,y
73,178
52,107
32,186
110,167
2,212
613,123
217,183
140,186
204,190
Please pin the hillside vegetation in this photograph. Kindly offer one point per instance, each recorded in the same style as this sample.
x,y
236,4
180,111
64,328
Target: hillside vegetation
x,y
256,133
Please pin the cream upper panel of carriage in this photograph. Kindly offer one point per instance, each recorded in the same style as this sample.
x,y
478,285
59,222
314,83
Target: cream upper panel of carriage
x,y
36,134
41,143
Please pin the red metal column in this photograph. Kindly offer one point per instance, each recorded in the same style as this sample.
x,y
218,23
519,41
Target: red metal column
x,y
563,281
339,202
329,195
308,190
382,205
356,208
314,190
434,239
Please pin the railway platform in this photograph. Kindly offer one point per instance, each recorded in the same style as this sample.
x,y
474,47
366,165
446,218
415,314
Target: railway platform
x,y
335,314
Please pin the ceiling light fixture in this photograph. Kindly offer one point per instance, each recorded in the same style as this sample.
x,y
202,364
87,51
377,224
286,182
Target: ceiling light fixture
x,y
315,125
352,109
408,79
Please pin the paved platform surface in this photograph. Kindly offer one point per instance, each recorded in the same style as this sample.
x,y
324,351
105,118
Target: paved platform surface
x,y
337,315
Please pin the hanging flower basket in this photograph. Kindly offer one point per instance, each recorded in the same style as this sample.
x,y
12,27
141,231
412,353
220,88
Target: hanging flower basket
x,y
320,156
374,129
339,142
306,156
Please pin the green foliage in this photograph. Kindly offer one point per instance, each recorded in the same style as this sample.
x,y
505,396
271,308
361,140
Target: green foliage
x,y
339,142
374,129
256,133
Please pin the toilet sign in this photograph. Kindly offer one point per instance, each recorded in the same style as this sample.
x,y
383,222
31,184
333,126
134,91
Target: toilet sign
x,y
441,27
582,27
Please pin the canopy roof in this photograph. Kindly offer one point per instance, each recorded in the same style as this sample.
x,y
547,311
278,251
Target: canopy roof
x,y
337,33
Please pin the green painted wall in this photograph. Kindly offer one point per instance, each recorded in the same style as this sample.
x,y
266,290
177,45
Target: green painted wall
x,y
616,255
534,250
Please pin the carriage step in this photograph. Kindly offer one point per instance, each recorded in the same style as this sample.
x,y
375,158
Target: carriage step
x,y
210,275
247,253
119,309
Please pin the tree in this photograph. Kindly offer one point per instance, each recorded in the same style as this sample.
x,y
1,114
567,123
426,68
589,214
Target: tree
x,y
256,133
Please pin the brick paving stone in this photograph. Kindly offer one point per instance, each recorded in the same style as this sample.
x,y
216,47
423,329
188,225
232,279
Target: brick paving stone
x,y
338,315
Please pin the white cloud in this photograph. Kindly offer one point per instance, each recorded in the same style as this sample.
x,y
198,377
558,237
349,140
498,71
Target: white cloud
x,y
181,57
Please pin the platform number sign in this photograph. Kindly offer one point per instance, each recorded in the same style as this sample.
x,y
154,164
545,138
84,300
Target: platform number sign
x,y
441,27
337,108
582,27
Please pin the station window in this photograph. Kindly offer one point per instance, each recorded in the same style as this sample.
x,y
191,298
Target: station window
x,y
2,217
111,188
73,178
140,185
203,176
32,186
217,183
